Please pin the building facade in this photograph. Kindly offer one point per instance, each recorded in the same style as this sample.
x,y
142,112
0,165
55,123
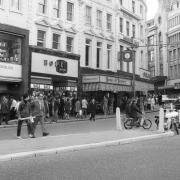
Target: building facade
x,y
76,45
163,34
14,41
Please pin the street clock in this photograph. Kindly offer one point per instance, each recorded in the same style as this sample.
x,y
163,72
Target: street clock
x,y
127,56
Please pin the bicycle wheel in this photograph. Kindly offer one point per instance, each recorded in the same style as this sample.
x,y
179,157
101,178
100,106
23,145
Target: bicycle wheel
x,y
128,124
147,124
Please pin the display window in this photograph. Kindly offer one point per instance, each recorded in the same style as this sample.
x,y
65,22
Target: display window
x,y
10,48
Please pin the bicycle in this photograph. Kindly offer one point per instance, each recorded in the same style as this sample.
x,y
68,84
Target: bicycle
x,y
130,123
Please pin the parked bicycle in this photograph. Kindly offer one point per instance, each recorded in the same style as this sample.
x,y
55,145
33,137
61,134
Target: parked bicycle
x,y
131,122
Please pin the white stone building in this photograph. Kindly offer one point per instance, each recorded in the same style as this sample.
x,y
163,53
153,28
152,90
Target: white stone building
x,y
93,31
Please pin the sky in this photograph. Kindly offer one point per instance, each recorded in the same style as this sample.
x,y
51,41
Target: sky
x,y
152,8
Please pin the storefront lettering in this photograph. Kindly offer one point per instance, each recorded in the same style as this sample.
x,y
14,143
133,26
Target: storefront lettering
x,y
6,67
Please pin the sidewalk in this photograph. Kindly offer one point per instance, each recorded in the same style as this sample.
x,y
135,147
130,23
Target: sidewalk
x,y
87,135
21,148
72,119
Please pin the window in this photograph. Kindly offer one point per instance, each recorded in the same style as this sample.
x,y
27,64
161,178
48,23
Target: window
x,y
141,58
42,6
175,71
121,61
170,55
141,9
56,41
141,31
69,44
99,19
133,6
174,54
109,22
41,37
133,31
109,50
1,3
121,2
10,48
87,52
161,70
98,55
121,24
88,15
15,4
151,40
152,71
56,8
127,28
70,9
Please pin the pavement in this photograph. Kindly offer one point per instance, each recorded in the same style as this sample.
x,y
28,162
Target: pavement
x,y
84,135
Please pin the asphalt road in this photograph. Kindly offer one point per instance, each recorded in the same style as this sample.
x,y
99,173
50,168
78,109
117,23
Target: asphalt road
x,y
150,160
69,127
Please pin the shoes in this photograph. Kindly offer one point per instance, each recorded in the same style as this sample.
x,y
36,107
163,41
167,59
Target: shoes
x,y
19,137
45,134
31,136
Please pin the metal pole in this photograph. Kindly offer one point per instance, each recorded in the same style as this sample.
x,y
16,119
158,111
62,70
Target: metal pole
x,y
134,67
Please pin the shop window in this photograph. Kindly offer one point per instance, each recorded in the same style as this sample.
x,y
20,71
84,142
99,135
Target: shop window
x,y
42,6
70,9
69,44
56,41
15,4
56,8
41,37
10,48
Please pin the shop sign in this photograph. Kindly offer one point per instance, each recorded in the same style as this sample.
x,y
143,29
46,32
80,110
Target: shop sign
x,y
61,66
90,79
52,65
127,56
10,70
112,80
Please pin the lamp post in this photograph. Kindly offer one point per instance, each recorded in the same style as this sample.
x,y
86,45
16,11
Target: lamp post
x,y
134,67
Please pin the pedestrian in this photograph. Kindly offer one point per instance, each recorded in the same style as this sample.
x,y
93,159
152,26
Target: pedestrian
x,y
92,109
38,110
67,107
46,105
55,109
5,110
78,108
24,111
105,105
61,108
13,112
84,107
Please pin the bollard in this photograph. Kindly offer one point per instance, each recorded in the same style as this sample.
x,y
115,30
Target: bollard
x,y
118,119
161,120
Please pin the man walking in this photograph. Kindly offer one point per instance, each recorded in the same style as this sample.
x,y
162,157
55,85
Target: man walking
x,y
84,107
92,110
24,111
38,110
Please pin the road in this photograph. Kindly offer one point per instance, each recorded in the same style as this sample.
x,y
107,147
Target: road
x,y
69,127
150,160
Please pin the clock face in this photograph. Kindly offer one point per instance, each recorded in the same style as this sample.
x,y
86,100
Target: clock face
x,y
127,55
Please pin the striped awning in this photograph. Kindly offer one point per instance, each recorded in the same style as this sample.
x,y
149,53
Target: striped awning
x,y
105,87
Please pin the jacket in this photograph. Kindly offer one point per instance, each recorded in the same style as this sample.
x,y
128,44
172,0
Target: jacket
x,y
24,110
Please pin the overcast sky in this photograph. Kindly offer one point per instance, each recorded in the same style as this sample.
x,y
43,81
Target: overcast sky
x,y
152,8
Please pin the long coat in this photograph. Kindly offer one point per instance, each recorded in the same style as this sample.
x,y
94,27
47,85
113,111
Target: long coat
x,y
92,108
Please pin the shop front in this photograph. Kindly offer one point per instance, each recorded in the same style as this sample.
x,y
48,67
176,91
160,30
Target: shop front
x,y
14,61
54,71
113,87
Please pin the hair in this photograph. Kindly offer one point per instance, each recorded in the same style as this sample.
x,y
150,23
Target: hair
x,y
25,96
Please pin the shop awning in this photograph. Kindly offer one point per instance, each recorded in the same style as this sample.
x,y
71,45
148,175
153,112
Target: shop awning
x,y
105,87
10,79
